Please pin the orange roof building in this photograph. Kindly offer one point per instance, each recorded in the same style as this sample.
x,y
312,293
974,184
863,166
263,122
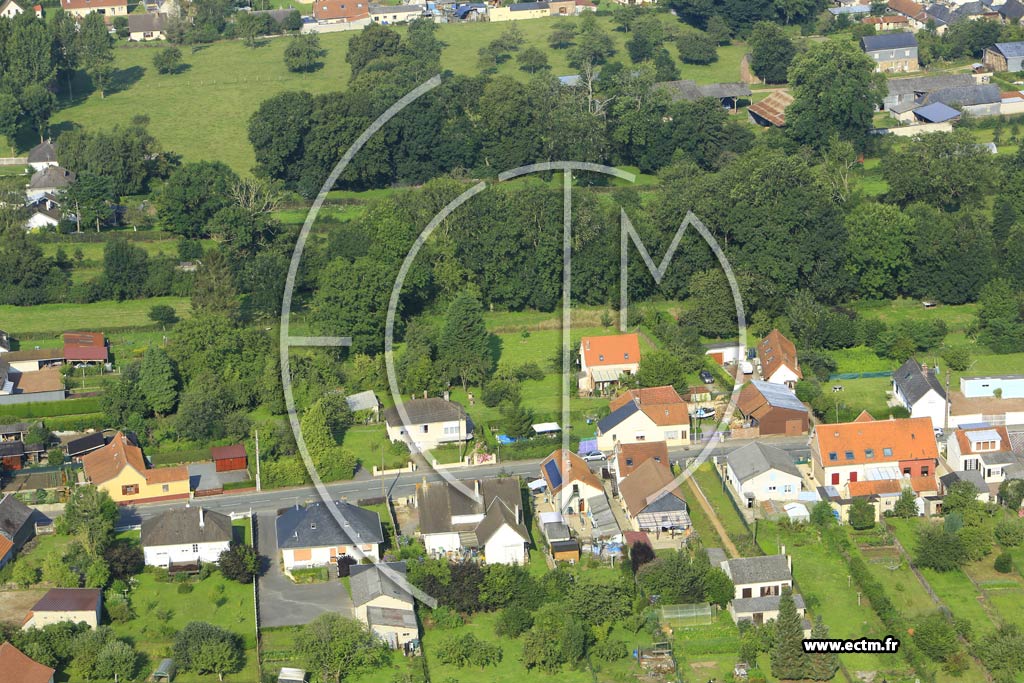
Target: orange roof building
x,y
778,360
17,666
603,360
652,499
120,469
341,11
872,450
570,481
643,415
629,456
81,8
85,347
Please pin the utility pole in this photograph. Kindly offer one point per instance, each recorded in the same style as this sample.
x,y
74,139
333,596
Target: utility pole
x,y
945,424
258,486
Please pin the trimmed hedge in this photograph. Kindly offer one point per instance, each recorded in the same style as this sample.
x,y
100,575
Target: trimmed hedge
x,y
71,406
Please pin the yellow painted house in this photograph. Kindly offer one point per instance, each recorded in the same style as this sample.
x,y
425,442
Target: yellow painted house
x,y
119,469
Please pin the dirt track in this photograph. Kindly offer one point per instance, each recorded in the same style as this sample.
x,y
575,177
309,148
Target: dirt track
x,y
14,604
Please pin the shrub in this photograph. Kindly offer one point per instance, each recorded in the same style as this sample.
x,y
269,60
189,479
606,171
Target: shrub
x,y
513,622
446,618
1004,563
1009,533
185,588
610,650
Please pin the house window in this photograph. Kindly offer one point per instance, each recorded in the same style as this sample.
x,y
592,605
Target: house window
x,y
626,356
451,429
671,436
887,452
640,436
129,489
195,547
869,453
788,488
629,462
924,470
906,471
426,428
971,465
849,455
833,456
771,488
165,488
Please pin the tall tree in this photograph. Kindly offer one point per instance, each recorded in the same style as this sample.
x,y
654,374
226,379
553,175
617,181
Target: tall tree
x,y
10,112
999,317
158,381
771,52
878,247
464,351
90,197
193,194
125,267
29,54
303,53
835,92
335,646
373,42
214,291
821,666
96,51
38,104
90,515
787,654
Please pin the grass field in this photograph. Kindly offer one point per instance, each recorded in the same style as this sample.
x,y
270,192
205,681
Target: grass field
x,y
107,315
720,501
203,112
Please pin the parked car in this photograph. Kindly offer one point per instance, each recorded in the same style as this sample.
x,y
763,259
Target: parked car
x,y
939,433
704,413
707,377
594,456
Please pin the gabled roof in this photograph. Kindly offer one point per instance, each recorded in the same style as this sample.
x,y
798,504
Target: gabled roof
x,y
148,22
184,526
51,176
776,351
615,349
744,570
499,514
227,452
970,440
364,400
1011,9
20,668
13,516
773,108
647,396
68,600
914,382
773,395
438,501
632,455
107,462
1010,49
314,526
888,41
880,442
975,477
44,152
757,458
89,442
964,95
564,467
426,411
616,417
648,484
907,8
368,581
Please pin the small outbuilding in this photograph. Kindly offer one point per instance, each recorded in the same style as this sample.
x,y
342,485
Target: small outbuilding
x,y
229,458
290,675
165,671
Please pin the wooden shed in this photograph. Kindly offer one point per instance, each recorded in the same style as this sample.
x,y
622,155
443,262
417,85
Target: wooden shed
x,y
566,551
229,458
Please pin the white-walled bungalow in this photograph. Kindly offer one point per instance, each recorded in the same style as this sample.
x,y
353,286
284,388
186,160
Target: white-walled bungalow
x,y
186,536
311,536
759,471
432,422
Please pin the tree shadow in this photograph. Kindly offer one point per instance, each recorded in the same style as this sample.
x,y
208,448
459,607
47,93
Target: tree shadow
x,y
125,78
495,346
180,69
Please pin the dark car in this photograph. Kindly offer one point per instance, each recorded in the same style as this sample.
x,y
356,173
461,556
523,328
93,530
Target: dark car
x,y
707,377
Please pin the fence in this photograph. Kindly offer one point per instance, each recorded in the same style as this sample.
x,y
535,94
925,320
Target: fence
x,y
860,375
13,161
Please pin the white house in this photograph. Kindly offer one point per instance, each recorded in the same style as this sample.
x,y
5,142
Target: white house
x,y
759,583
42,155
311,536
640,415
603,360
10,9
432,422
185,536
985,449
381,599
920,392
570,482
44,212
758,471
777,355
491,520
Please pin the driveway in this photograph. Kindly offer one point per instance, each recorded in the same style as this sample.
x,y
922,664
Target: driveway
x,y
283,603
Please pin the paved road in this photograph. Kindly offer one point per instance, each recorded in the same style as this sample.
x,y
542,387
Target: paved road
x,y
404,484
283,603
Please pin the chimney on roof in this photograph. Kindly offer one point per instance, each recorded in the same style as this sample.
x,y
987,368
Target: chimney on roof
x,y
924,368
447,394
586,345
202,519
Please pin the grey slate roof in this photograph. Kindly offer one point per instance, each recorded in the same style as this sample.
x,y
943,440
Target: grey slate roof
x,y
616,416
1011,9
368,581
15,428
745,570
44,152
965,95
8,448
973,476
556,531
439,502
13,516
998,458
277,15
689,90
313,526
1011,49
364,400
779,395
913,383
757,458
926,84
425,411
716,556
888,41
390,616
86,443
51,177
149,22
766,603
181,527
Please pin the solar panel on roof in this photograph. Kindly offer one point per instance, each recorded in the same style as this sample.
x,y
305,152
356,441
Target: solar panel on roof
x,y
554,475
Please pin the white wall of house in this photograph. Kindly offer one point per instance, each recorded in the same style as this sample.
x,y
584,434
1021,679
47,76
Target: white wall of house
x,y
569,496
770,485
441,543
429,435
383,601
40,220
756,590
41,619
638,428
296,558
505,546
162,555
930,405
783,375
10,11
765,616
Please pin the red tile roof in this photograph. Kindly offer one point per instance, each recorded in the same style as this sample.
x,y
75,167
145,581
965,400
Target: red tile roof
x,y
864,416
965,443
105,463
20,668
645,485
648,396
776,351
68,600
165,475
632,455
572,468
616,349
85,346
227,452
905,439
869,488
349,10
907,8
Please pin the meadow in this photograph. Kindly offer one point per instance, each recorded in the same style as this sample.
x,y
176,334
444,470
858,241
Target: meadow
x,y
104,316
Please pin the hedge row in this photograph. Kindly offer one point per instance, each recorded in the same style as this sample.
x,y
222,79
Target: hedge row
x,y
73,406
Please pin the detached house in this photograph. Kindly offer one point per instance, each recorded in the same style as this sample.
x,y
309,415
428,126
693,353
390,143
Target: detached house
x,y
772,409
383,603
920,392
187,536
66,604
603,360
778,360
759,471
652,499
81,8
891,52
491,520
42,155
874,450
629,456
432,422
310,536
342,12
640,415
984,449
1005,57
759,582
120,469
570,482
16,527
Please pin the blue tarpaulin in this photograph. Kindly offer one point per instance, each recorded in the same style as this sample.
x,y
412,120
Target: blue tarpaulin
x,y
505,440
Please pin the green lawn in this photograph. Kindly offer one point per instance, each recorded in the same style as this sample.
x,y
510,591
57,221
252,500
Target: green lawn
x,y
720,502
370,443
161,611
859,359
103,315
226,81
893,312
859,394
